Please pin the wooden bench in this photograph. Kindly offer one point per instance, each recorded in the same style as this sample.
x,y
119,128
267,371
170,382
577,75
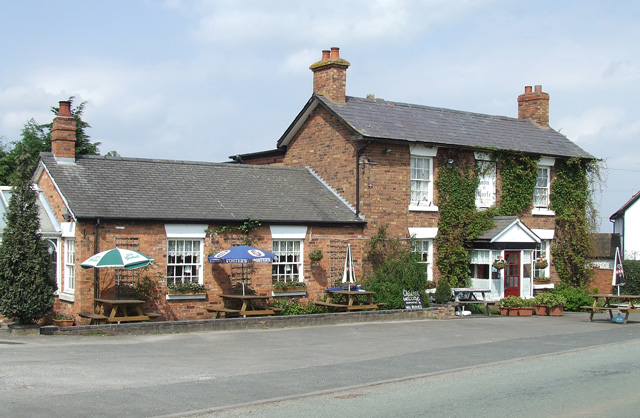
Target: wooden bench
x,y
153,315
219,310
331,305
362,307
128,318
95,318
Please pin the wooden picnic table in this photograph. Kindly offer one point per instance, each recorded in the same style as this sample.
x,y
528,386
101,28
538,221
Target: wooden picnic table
x,y
463,296
120,309
611,302
349,300
252,305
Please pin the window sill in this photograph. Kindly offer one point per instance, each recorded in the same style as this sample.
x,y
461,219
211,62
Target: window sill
x,y
285,294
419,208
67,297
186,297
542,212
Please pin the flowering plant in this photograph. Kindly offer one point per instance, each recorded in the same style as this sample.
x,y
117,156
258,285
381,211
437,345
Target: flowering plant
x,y
499,263
541,263
59,316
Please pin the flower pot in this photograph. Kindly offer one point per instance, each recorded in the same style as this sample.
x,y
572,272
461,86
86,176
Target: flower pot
x,y
504,311
514,311
541,265
528,311
542,310
63,322
556,310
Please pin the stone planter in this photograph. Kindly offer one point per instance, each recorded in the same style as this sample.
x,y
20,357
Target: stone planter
x,y
542,310
504,311
528,311
514,311
556,310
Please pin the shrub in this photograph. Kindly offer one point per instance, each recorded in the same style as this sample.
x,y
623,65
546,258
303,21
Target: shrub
x,y
293,307
396,268
443,291
575,297
510,302
632,277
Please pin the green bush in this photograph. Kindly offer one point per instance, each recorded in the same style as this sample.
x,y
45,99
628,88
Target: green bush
x,y
396,268
632,277
575,297
443,292
510,302
293,307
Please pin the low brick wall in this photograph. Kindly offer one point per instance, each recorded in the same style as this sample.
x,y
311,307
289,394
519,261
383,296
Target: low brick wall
x,y
267,322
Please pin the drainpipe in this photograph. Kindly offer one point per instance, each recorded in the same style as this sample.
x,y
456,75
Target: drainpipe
x,y
358,154
96,279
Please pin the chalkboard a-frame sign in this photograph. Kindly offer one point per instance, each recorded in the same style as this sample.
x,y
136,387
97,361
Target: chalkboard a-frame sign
x,y
412,299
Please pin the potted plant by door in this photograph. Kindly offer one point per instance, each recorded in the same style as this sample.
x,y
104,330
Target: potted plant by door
x,y
510,305
526,307
540,302
62,320
556,304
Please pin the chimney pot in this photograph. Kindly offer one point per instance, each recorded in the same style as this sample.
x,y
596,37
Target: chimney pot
x,y
330,76
527,89
534,106
65,108
325,54
335,52
538,88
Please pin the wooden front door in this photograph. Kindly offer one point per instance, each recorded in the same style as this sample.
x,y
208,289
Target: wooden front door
x,y
512,273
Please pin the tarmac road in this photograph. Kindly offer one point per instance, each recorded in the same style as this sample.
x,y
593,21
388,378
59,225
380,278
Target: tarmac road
x,y
208,372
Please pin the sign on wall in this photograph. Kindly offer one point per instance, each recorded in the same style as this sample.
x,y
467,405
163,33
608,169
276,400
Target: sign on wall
x,y
412,299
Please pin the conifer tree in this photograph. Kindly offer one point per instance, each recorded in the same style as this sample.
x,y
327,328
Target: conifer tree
x,y
26,289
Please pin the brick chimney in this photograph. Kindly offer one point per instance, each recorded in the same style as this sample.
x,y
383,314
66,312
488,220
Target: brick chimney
x,y
63,133
330,76
535,106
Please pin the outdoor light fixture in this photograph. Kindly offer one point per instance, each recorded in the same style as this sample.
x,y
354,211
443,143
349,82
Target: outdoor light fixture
x,y
450,163
66,215
388,150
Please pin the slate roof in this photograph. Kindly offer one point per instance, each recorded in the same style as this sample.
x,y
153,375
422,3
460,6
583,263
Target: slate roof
x,y
604,245
381,119
146,189
500,224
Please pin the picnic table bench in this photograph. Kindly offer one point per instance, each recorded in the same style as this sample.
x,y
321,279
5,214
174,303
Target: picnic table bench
x,y
250,306
349,300
95,318
624,303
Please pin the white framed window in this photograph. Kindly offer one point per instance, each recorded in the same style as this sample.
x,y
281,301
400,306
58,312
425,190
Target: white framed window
x,y
288,268
542,252
185,246
486,191
542,189
421,173
480,264
69,266
424,247
184,261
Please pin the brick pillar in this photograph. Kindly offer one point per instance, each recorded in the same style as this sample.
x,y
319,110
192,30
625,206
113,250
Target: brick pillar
x,y
330,76
63,132
535,106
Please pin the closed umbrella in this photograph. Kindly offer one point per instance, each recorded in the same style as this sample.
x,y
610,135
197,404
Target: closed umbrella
x,y
242,254
348,275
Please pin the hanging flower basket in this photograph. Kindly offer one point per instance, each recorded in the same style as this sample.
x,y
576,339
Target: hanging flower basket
x,y
541,263
499,263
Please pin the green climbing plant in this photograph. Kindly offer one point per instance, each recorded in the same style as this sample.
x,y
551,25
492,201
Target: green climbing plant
x,y
572,201
518,173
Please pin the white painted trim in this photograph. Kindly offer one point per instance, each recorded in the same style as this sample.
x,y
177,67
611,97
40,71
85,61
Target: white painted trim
x,y
545,233
67,297
422,151
423,233
542,212
186,230
288,231
184,297
547,161
423,208
482,156
68,229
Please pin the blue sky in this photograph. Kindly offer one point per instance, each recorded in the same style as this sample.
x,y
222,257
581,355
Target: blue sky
x,y
203,80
